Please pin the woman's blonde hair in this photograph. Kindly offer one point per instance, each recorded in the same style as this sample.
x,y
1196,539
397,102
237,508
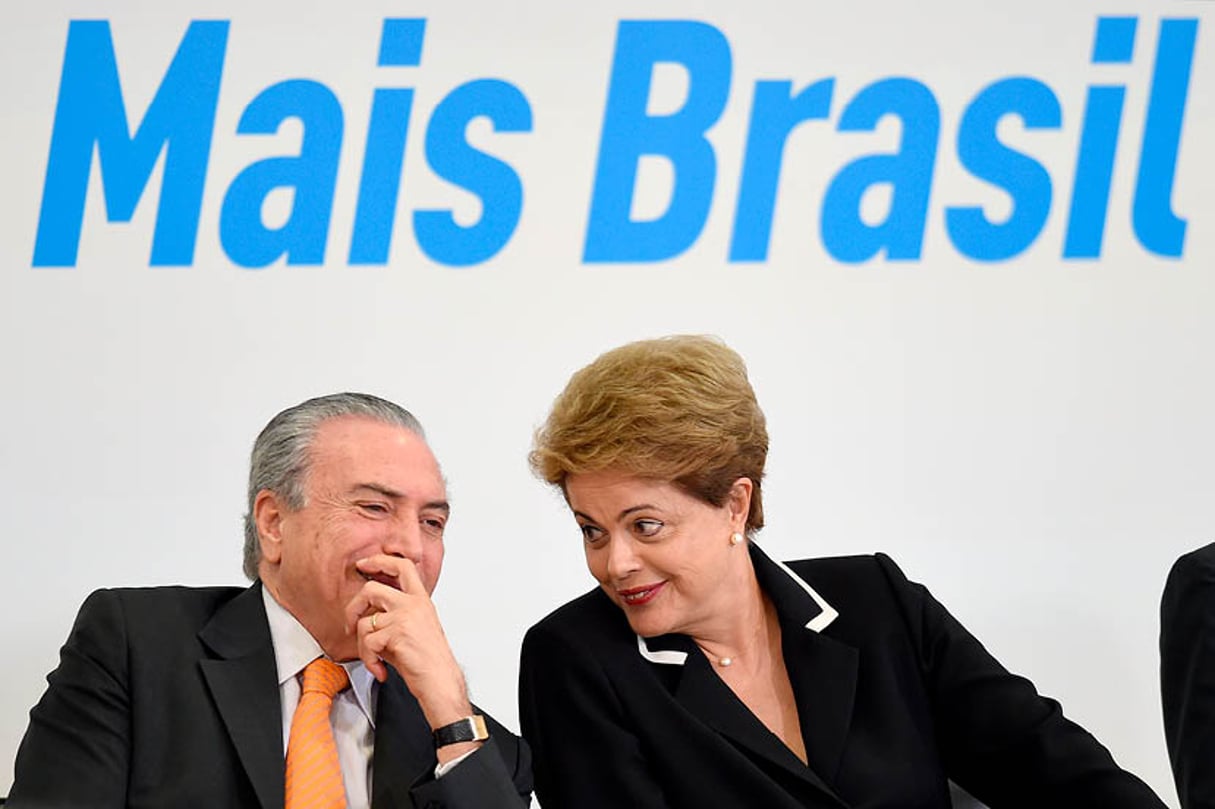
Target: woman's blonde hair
x,y
677,409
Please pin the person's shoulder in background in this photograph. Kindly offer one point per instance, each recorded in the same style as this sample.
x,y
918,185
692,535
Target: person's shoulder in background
x,y
1187,675
1195,567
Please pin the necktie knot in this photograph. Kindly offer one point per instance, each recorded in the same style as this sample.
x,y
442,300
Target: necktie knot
x,y
323,676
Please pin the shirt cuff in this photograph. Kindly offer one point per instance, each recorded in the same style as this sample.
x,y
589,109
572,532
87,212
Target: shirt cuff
x,y
443,769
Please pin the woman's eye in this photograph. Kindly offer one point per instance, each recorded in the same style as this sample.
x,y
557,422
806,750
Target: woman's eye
x,y
590,533
647,528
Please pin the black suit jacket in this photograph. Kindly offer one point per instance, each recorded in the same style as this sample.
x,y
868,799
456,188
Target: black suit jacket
x,y
894,697
1187,675
168,697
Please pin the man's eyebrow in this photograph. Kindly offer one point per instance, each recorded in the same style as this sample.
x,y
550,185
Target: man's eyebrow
x,y
379,489
433,505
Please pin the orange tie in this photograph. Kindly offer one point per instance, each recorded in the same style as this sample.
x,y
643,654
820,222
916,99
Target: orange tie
x,y
314,775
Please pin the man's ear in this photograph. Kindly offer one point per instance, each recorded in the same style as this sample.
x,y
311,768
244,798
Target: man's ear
x,y
269,511
738,501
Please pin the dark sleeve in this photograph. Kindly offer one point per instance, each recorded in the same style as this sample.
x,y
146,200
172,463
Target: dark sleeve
x,y
497,776
76,750
585,755
1187,675
1000,740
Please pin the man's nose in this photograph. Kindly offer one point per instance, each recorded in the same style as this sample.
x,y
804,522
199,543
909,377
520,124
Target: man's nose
x,y
404,539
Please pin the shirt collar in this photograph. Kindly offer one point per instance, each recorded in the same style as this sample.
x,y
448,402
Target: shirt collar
x,y
795,600
295,648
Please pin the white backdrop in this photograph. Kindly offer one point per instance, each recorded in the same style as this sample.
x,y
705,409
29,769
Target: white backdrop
x,y
1030,437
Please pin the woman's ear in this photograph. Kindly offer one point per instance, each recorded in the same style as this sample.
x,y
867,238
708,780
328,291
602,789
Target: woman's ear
x,y
738,501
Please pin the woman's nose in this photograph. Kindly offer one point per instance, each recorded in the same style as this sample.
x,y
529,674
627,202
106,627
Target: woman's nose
x,y
622,559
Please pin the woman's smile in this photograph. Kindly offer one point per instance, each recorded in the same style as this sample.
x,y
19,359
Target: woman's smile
x,y
637,596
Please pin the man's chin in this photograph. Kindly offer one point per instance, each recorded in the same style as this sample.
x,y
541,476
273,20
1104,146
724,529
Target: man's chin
x,y
345,650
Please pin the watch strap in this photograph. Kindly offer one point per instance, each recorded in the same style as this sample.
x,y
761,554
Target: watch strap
x,y
469,729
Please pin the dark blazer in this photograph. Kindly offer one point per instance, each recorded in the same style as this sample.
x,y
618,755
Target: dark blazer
x,y
1187,675
893,695
168,697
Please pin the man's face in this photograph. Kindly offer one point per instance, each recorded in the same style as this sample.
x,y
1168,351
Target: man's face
x,y
371,488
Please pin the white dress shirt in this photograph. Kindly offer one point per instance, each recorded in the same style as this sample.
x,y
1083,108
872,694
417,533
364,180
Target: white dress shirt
x,y
353,714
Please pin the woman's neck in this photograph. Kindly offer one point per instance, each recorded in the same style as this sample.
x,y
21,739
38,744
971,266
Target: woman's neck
x,y
745,628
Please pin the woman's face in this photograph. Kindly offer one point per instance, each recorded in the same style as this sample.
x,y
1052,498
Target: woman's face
x,y
663,556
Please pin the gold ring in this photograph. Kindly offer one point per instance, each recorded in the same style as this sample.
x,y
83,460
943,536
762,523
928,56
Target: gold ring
x,y
373,617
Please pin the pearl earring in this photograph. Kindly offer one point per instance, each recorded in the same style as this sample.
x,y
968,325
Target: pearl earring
x,y
736,538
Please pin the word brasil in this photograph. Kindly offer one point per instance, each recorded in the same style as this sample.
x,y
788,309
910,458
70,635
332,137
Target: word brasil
x,y
91,119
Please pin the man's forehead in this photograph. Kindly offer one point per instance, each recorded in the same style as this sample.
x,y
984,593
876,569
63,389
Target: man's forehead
x,y
372,451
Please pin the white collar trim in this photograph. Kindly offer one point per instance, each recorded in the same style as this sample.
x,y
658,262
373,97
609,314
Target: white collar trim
x,y
828,613
671,657
818,623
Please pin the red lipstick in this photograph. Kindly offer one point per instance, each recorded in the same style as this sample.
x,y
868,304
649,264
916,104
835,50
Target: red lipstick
x,y
637,596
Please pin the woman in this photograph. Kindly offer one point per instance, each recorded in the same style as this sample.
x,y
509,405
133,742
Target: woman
x,y
701,673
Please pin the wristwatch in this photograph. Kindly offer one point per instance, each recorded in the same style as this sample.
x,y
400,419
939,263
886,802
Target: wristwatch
x,y
469,729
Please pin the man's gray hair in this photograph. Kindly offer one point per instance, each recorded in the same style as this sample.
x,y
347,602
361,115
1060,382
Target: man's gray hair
x,y
281,454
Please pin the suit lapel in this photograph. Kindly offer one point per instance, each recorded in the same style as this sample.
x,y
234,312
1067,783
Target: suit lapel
x,y
822,672
404,752
242,679
707,697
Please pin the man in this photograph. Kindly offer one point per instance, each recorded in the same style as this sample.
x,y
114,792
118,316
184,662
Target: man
x,y
176,697
1187,675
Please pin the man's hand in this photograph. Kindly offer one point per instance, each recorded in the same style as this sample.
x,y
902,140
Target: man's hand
x,y
397,624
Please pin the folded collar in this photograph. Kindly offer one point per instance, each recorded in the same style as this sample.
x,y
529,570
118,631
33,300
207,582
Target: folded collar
x,y
795,600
